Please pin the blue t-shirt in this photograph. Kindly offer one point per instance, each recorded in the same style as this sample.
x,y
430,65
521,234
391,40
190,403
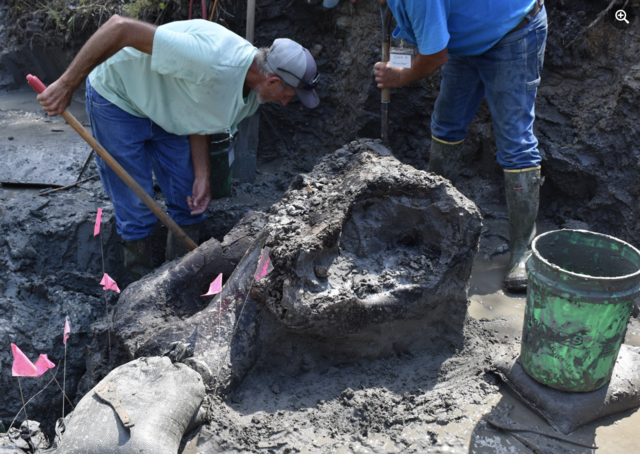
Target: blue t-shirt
x,y
466,27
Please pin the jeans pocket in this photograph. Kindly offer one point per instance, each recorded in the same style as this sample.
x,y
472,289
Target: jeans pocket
x,y
533,84
100,102
96,99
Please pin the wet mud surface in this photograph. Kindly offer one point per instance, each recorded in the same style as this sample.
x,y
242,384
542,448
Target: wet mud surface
x,y
421,401
35,148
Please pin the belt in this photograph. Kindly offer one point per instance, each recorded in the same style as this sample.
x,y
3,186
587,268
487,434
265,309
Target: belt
x,y
530,15
220,141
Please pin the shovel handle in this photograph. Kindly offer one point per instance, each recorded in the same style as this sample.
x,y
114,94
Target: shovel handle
x,y
386,16
119,170
386,92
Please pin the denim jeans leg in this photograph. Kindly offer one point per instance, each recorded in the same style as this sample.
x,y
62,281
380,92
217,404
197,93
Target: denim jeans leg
x,y
461,92
123,136
511,71
170,156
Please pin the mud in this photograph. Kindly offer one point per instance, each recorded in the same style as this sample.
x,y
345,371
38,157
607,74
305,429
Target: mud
x,y
405,403
587,124
30,154
50,268
50,263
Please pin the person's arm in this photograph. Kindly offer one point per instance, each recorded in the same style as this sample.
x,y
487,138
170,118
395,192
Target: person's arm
x,y
201,169
117,33
421,67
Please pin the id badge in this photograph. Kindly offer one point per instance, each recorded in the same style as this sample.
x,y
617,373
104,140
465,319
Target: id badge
x,y
401,57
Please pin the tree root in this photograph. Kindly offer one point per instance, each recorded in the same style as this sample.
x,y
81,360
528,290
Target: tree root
x,y
596,20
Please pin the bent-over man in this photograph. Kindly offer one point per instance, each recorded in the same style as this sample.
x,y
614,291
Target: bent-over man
x,y
155,95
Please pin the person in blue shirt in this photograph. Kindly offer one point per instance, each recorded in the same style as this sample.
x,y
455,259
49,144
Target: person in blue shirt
x,y
486,48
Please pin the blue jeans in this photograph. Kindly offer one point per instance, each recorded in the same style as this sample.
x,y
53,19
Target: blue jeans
x,y
139,145
508,74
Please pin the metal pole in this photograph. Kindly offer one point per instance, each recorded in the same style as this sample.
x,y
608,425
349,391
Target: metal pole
x,y
251,19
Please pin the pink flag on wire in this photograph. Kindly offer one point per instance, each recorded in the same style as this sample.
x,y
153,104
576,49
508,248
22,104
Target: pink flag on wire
x,y
96,228
109,284
215,287
23,367
264,265
67,331
43,364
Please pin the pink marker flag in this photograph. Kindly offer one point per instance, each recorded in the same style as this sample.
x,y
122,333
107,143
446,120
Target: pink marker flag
x,y
67,331
264,265
43,364
109,284
215,287
23,367
96,228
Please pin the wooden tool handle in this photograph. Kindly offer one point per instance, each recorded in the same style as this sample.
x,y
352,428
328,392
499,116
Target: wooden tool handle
x,y
386,92
117,168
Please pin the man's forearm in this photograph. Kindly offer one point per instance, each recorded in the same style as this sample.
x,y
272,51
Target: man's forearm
x,y
425,65
200,156
116,34
421,67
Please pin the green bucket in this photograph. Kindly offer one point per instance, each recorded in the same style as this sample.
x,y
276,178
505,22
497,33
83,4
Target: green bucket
x,y
220,160
582,286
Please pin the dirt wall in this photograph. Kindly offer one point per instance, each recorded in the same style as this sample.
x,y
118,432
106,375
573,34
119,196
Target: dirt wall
x,y
586,108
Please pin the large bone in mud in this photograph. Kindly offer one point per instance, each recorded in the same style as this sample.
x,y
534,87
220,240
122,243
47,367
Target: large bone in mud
x,y
363,241
359,244
172,293
224,335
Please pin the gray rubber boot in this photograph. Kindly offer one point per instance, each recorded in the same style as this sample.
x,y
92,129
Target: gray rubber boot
x,y
445,159
175,247
523,196
138,257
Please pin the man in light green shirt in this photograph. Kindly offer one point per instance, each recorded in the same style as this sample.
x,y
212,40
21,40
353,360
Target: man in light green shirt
x,y
155,95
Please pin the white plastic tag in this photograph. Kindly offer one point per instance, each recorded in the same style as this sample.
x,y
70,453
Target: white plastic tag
x,y
231,156
400,60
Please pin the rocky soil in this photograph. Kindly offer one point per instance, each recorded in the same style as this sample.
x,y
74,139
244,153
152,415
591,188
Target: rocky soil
x,y
50,264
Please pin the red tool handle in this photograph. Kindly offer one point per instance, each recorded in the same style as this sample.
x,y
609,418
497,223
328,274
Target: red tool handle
x,y
36,84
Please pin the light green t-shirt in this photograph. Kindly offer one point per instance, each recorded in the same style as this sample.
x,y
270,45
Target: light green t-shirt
x,y
191,84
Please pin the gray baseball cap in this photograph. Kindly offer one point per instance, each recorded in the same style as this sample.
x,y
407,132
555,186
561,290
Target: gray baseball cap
x,y
295,65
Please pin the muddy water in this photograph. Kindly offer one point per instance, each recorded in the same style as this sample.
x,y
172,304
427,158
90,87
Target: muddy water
x,y
25,100
38,149
486,296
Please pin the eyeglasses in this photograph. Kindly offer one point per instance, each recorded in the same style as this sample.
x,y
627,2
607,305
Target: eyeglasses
x,y
307,85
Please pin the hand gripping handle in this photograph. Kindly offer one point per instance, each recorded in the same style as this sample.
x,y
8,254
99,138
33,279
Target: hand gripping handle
x,y
36,84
